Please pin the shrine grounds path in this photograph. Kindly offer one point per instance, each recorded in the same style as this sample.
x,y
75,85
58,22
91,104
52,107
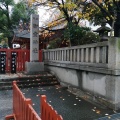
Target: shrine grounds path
x,y
70,106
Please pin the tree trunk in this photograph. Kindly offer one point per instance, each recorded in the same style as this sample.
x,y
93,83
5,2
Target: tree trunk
x,y
117,26
10,42
116,30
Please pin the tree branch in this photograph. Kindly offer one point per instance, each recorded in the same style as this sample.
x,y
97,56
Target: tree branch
x,y
1,8
102,9
115,3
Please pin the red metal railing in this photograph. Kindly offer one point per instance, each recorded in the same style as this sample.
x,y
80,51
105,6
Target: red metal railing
x,y
22,57
47,111
23,110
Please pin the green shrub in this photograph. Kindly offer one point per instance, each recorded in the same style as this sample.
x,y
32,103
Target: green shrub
x,y
54,43
74,33
90,37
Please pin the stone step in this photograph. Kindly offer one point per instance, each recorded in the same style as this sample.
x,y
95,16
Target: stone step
x,y
29,86
28,78
29,81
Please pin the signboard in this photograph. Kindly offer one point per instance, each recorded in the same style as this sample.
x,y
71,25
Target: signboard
x,y
34,38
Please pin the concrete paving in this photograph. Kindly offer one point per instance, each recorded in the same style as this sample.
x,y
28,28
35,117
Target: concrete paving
x,y
70,106
6,97
5,103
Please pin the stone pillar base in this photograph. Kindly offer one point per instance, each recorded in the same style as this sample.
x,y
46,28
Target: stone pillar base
x,y
34,67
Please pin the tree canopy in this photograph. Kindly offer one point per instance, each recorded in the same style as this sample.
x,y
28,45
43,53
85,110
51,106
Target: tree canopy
x,y
92,10
21,12
11,14
5,21
68,9
67,12
109,10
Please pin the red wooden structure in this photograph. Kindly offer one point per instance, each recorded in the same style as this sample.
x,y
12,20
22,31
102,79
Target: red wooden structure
x,y
47,111
22,107
23,110
23,55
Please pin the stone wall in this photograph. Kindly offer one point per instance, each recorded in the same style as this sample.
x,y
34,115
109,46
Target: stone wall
x,y
93,68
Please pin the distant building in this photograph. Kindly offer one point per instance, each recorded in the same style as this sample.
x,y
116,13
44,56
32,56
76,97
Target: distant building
x,y
51,32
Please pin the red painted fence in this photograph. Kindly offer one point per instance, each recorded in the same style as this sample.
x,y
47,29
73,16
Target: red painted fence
x,y
47,111
22,57
23,110
22,107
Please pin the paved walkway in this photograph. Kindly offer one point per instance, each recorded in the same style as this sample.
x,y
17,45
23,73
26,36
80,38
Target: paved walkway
x,y
5,103
70,106
111,117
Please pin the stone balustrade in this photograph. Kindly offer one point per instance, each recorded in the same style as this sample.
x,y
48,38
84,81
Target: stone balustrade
x,y
102,54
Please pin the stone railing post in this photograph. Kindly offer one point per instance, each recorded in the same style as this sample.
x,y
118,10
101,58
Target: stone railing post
x,y
114,53
92,55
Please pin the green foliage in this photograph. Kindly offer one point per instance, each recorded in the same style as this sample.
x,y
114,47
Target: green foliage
x,y
55,43
90,37
5,46
9,19
108,10
1,37
67,9
7,2
79,36
21,12
74,33
5,23
3,41
52,45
